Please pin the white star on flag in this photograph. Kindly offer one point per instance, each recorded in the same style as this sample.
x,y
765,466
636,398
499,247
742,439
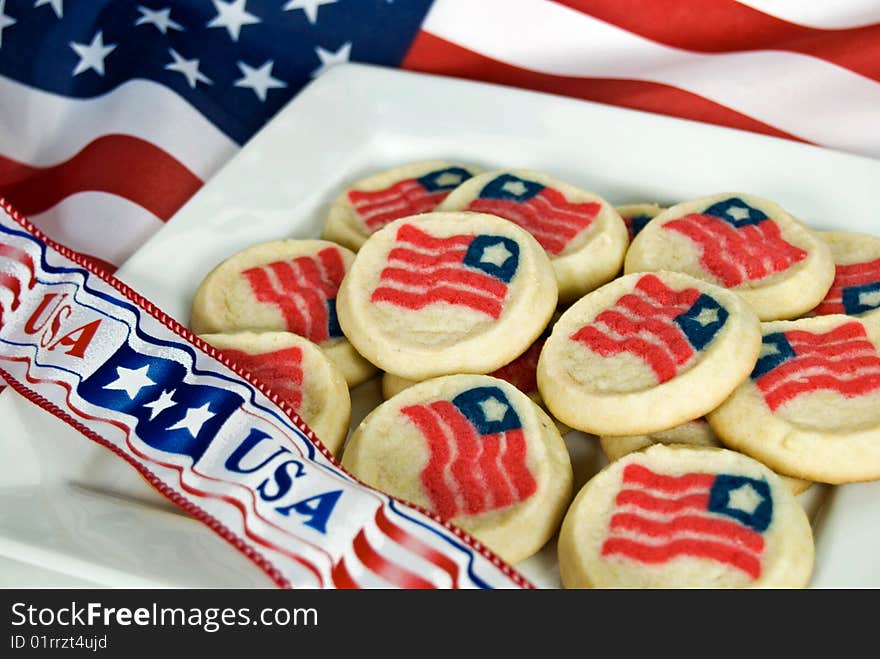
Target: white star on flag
x,y
768,349
161,19
870,298
131,380
232,15
189,68
496,255
744,498
493,409
57,6
448,178
515,187
310,7
5,21
738,212
163,402
93,55
707,317
260,80
194,419
330,59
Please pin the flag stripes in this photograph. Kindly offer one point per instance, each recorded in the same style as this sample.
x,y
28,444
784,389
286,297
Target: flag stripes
x,y
408,197
863,278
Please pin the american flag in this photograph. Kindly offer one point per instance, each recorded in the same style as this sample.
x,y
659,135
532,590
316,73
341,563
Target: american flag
x,y
468,270
662,327
800,362
408,197
477,451
856,290
115,112
658,518
304,290
280,370
541,210
738,243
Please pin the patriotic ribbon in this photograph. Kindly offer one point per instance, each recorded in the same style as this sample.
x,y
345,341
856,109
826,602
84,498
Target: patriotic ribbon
x,y
86,348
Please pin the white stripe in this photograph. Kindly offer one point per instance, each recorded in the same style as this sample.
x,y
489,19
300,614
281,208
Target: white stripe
x,y
84,220
823,15
796,93
42,129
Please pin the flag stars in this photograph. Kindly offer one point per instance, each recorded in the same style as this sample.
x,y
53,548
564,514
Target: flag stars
x,y
189,68
309,7
768,350
131,380
259,80
162,403
233,16
194,419
516,188
57,6
5,21
744,498
870,299
493,409
92,56
160,19
329,59
738,213
707,317
496,254
447,179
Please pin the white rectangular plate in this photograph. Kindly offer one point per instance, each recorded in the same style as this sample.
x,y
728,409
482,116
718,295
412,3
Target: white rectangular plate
x,y
351,122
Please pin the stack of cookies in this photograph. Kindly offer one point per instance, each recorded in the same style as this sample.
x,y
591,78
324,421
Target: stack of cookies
x,y
724,355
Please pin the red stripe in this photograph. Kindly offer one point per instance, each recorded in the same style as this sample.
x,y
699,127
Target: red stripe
x,y
416,546
722,26
724,529
639,306
300,279
716,551
422,260
665,332
654,287
514,461
485,283
857,273
334,269
796,366
845,332
465,465
850,388
657,359
264,290
551,240
121,165
342,578
392,572
410,234
654,504
416,301
432,54
498,483
281,371
433,475
11,283
636,473
20,256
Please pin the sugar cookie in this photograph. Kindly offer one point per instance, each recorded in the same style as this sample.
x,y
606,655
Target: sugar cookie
x,y
476,451
299,372
685,517
282,285
743,242
811,407
696,433
582,233
371,203
647,352
856,287
442,293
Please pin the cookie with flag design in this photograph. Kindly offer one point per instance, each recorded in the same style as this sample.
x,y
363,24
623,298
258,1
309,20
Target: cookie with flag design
x,y
856,287
695,433
647,352
298,372
372,202
474,450
282,285
745,243
685,517
811,407
443,293
582,233
636,216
